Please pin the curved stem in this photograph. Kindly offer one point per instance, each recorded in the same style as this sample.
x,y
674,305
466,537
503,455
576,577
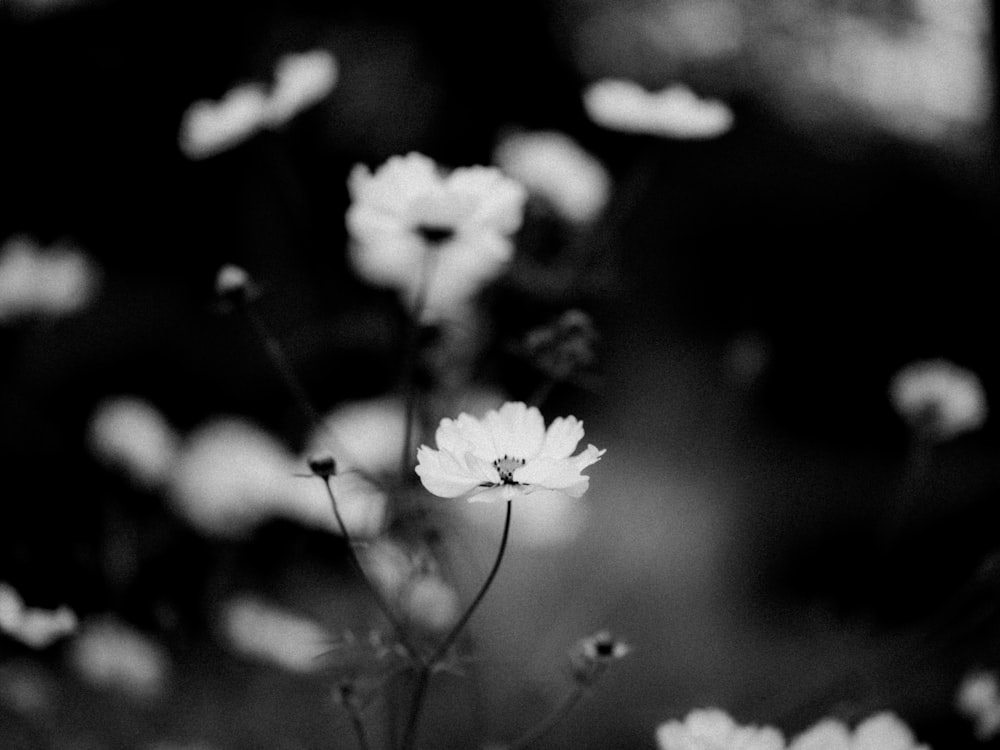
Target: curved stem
x,y
423,678
546,725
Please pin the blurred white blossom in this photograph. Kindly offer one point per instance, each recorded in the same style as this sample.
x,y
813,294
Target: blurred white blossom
x,y
939,399
301,80
112,655
673,112
209,128
554,166
271,634
883,731
714,729
132,435
431,603
978,698
37,628
506,454
419,230
410,580
46,282
365,436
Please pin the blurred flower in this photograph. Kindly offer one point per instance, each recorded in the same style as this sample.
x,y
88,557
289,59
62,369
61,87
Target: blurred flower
x,y
53,281
301,80
883,731
563,347
939,399
132,435
363,436
25,686
553,166
232,282
209,128
273,635
713,729
37,628
590,656
674,112
978,698
411,581
418,230
429,602
506,454
109,654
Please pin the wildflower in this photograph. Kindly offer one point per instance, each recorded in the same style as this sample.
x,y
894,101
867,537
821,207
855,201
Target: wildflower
x,y
209,128
132,435
978,698
506,454
673,112
437,238
553,166
37,628
883,731
939,399
35,281
270,634
301,80
590,656
110,654
714,729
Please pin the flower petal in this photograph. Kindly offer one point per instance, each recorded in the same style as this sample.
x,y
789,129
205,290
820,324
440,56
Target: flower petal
x,y
443,475
559,474
516,429
562,437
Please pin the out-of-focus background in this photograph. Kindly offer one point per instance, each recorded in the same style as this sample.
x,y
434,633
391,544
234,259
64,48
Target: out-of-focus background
x,y
762,530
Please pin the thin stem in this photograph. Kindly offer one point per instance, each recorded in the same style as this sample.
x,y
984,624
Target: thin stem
x,y
423,678
347,696
410,360
353,556
549,722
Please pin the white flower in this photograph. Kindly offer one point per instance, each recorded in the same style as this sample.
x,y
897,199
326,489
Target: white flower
x,y
673,112
110,654
37,628
209,128
978,698
301,80
53,281
414,227
273,635
883,731
507,453
131,434
714,729
939,399
553,166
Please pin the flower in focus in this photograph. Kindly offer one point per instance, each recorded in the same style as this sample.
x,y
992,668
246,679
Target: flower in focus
x,y
209,128
36,281
673,112
131,434
978,698
37,628
883,731
714,729
301,80
553,166
506,454
424,232
590,656
938,399
270,634
110,654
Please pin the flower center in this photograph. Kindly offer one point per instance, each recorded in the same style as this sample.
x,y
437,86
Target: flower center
x,y
506,466
435,234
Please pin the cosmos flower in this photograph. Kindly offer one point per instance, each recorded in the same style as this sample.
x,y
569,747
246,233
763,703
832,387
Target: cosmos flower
x,y
506,454
414,227
978,698
939,399
132,435
43,282
590,656
209,128
270,634
301,79
714,729
673,112
553,166
37,628
112,655
883,731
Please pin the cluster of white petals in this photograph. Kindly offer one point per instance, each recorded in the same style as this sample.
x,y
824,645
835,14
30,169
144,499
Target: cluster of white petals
x,y
673,112
978,698
133,436
365,436
264,632
112,655
938,398
506,454
883,731
302,79
554,166
43,282
422,231
714,729
37,628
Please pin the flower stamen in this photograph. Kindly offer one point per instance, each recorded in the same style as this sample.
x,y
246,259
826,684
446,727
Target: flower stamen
x,y
435,235
506,466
